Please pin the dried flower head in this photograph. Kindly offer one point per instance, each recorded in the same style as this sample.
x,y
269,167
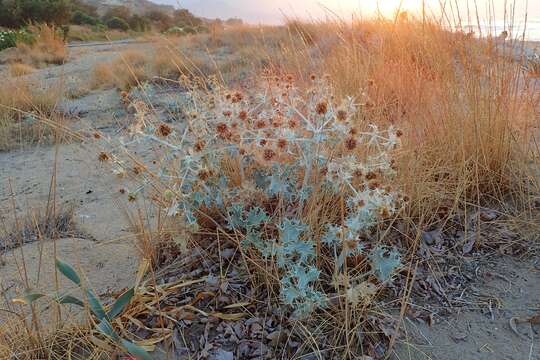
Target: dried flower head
x,y
103,156
222,128
164,130
350,143
97,135
293,123
243,115
269,154
399,133
137,170
342,115
227,113
282,144
203,174
371,175
237,97
199,145
321,108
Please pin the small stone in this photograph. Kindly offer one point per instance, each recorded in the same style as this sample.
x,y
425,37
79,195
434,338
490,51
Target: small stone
x,y
221,354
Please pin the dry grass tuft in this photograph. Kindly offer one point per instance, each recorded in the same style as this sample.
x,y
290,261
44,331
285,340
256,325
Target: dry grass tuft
x,y
22,104
48,48
18,69
125,72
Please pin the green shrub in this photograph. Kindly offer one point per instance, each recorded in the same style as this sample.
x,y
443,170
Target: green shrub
x,y
117,24
16,13
178,31
7,39
80,18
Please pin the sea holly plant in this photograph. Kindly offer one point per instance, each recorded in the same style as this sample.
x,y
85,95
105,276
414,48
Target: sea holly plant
x,y
103,317
299,175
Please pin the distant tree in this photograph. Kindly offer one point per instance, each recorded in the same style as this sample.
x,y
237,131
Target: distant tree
x,y
121,12
117,24
78,5
139,23
184,17
15,13
81,18
160,19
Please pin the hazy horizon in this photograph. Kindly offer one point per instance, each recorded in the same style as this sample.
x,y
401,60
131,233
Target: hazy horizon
x,y
274,11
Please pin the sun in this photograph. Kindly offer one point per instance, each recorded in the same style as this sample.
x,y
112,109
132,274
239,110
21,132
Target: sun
x,y
383,7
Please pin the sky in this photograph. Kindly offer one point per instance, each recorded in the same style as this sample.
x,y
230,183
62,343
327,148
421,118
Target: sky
x,y
271,11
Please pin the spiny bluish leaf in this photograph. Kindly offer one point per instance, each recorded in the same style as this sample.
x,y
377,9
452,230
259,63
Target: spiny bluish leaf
x,y
261,179
95,305
331,236
68,271
254,238
256,216
290,294
303,277
121,303
290,230
135,350
279,186
304,249
384,262
235,218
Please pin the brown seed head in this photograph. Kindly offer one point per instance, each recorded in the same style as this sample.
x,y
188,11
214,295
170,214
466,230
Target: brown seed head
x,y
399,133
243,115
350,143
342,115
237,97
321,108
203,175
222,128
164,130
97,135
371,175
103,156
199,145
282,144
227,113
293,123
269,154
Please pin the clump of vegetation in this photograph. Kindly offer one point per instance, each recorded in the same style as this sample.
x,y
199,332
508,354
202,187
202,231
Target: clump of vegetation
x,y
117,24
18,13
292,179
40,45
16,69
22,105
126,71
8,39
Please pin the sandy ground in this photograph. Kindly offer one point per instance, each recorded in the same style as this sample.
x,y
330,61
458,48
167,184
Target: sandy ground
x,y
108,257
